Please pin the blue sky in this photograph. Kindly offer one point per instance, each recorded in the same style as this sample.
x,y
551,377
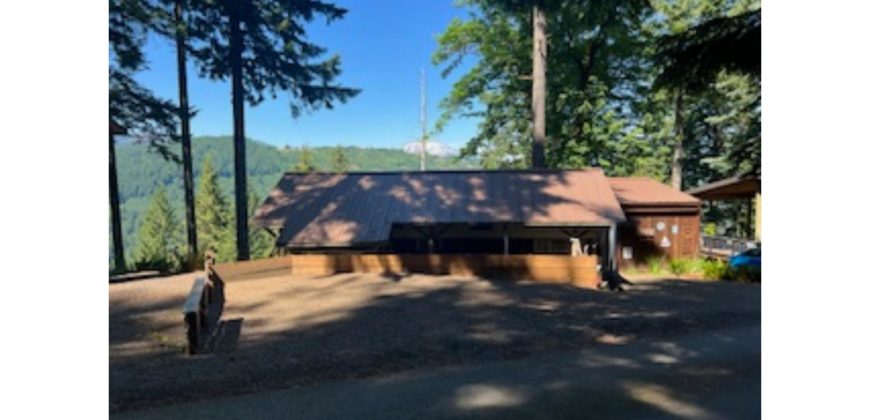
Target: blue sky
x,y
383,45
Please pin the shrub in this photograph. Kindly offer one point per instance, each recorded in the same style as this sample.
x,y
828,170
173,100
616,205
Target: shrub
x,y
695,265
655,265
679,266
715,270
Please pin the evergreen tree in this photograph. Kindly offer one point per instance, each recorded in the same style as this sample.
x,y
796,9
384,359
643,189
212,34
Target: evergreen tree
x,y
225,36
159,240
339,160
262,242
214,218
594,72
306,161
131,106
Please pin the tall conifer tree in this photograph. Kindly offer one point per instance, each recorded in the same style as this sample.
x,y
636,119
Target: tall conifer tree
x,y
158,244
214,218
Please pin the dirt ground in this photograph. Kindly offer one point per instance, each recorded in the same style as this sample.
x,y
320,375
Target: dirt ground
x,y
286,331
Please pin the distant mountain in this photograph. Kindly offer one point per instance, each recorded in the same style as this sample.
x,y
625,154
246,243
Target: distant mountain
x,y
140,171
433,148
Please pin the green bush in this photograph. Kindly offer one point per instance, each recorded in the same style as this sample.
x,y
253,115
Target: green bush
x,y
715,270
655,265
679,266
695,265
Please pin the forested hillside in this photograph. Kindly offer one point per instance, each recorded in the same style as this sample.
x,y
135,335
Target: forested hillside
x,y
141,172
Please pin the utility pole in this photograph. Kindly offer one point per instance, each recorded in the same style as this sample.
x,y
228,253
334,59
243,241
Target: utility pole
x,y
184,108
242,251
423,135
539,87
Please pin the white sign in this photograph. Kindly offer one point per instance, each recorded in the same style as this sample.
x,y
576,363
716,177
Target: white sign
x,y
666,243
675,229
660,226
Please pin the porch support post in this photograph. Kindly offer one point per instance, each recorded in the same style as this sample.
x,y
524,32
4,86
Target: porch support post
x,y
505,239
611,247
758,216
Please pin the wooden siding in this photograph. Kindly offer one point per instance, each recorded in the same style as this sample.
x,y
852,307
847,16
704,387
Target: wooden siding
x,y
646,240
580,271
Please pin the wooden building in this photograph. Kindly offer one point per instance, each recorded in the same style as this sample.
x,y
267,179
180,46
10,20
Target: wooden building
x,y
510,212
661,221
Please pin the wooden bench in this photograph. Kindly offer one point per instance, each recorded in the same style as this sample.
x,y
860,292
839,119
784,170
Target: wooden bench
x,y
203,307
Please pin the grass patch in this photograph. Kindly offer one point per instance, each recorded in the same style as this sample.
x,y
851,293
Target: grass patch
x,y
679,266
714,269
655,265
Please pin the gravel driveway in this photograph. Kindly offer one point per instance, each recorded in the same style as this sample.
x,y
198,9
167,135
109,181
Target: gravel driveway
x,y
286,331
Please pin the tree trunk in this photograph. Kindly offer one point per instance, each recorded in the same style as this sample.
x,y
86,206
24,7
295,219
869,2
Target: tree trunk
x,y
242,251
115,204
187,161
677,159
539,87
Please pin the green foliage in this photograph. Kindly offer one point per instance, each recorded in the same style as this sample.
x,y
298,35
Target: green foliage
x,y
159,236
140,171
715,270
709,229
305,163
655,265
339,160
602,107
214,215
274,32
679,266
262,243
145,116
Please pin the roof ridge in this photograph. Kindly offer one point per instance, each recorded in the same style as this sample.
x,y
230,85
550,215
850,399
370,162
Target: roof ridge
x,y
446,171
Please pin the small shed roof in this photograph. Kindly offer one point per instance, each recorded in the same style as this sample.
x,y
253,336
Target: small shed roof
x,y
330,209
643,191
728,188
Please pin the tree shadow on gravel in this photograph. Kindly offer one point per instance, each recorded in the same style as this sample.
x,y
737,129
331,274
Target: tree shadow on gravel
x,y
404,328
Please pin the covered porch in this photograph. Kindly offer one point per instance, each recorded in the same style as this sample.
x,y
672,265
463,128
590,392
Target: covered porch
x,y
740,229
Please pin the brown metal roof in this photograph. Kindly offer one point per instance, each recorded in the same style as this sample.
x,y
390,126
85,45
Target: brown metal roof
x,y
327,209
642,191
729,188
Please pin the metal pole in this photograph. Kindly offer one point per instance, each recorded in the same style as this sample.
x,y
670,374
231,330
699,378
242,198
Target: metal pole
x,y
611,247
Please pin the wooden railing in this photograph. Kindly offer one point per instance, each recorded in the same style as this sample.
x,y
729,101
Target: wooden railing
x,y
203,308
724,246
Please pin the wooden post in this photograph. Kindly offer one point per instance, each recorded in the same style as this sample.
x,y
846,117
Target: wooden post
x,y
758,216
539,87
